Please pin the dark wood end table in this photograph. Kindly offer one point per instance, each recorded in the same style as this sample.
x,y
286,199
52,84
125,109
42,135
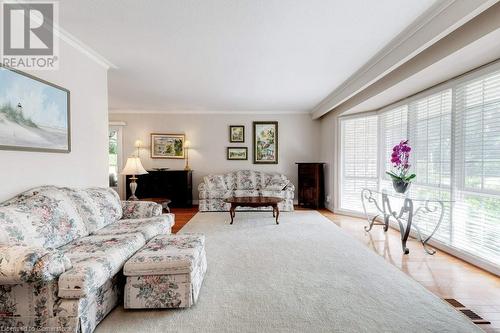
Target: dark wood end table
x,y
164,202
254,202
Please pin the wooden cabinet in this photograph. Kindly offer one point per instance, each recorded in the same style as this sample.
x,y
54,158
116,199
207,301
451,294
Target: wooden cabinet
x,y
176,185
311,189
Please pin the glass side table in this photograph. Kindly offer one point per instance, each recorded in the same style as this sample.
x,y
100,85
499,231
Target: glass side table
x,y
411,207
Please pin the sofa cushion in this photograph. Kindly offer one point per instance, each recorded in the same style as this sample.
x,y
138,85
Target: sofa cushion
x,y
44,217
95,260
21,263
215,182
148,227
99,206
246,193
246,180
167,255
230,180
277,194
222,194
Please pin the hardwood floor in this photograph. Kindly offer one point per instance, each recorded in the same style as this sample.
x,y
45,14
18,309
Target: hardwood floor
x,y
182,216
444,275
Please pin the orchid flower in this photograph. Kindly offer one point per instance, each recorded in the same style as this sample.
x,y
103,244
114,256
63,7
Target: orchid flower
x,y
400,159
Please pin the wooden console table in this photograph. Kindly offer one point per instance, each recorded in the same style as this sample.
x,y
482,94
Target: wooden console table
x,y
176,185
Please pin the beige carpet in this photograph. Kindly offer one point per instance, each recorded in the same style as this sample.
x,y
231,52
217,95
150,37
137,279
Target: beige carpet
x,y
304,275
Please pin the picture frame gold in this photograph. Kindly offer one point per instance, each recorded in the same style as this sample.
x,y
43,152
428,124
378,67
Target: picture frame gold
x,y
165,146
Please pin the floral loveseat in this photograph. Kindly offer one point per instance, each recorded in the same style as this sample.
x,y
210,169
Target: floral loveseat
x,y
215,188
61,250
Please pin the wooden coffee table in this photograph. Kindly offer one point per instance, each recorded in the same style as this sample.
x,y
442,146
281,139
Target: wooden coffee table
x,y
254,202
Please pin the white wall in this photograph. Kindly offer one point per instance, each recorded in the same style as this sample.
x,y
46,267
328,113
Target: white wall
x,y
328,154
299,141
86,165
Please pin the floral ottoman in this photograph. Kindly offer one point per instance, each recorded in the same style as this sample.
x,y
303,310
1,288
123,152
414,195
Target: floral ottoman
x,y
166,273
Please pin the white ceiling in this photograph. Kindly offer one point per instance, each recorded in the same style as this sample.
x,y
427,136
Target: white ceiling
x,y
233,55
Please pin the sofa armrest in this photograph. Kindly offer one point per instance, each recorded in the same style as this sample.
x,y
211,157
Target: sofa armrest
x,y
290,187
22,264
140,209
202,187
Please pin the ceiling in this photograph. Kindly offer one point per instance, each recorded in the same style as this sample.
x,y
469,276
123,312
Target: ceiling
x,y
233,55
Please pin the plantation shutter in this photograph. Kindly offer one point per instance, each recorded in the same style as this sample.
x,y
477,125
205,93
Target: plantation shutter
x,y
476,215
393,129
359,160
455,138
430,138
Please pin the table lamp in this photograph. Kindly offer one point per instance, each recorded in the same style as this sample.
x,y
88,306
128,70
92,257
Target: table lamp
x,y
187,145
132,168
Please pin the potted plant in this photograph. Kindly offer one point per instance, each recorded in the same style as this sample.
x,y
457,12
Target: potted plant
x,y
400,156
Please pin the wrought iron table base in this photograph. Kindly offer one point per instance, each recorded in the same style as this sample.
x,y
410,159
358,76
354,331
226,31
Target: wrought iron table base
x,y
407,208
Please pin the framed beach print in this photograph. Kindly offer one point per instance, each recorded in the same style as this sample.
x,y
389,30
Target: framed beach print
x,y
34,114
265,142
167,145
237,153
236,133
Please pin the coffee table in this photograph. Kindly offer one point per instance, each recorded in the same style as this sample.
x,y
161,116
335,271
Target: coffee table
x,y
254,202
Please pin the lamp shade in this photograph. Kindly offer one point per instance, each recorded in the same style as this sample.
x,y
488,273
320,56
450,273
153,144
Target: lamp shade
x,y
138,143
133,167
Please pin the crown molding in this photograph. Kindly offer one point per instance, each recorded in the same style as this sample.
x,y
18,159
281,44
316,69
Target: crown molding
x,y
117,123
229,112
435,23
83,48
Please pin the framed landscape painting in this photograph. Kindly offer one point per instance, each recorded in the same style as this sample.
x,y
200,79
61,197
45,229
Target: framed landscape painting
x,y
34,114
236,133
265,142
167,145
237,153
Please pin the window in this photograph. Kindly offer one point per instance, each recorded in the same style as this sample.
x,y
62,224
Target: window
x,y
430,137
455,135
393,129
114,157
476,223
359,160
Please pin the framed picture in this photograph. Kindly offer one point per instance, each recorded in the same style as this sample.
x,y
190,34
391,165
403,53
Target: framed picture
x,y
34,114
167,145
237,153
236,133
265,142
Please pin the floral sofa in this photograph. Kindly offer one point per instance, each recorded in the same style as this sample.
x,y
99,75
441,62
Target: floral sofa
x,y
243,183
61,253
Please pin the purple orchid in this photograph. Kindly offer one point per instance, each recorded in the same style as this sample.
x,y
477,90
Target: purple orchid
x,y
400,160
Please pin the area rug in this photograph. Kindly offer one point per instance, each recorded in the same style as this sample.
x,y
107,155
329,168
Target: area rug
x,y
303,275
